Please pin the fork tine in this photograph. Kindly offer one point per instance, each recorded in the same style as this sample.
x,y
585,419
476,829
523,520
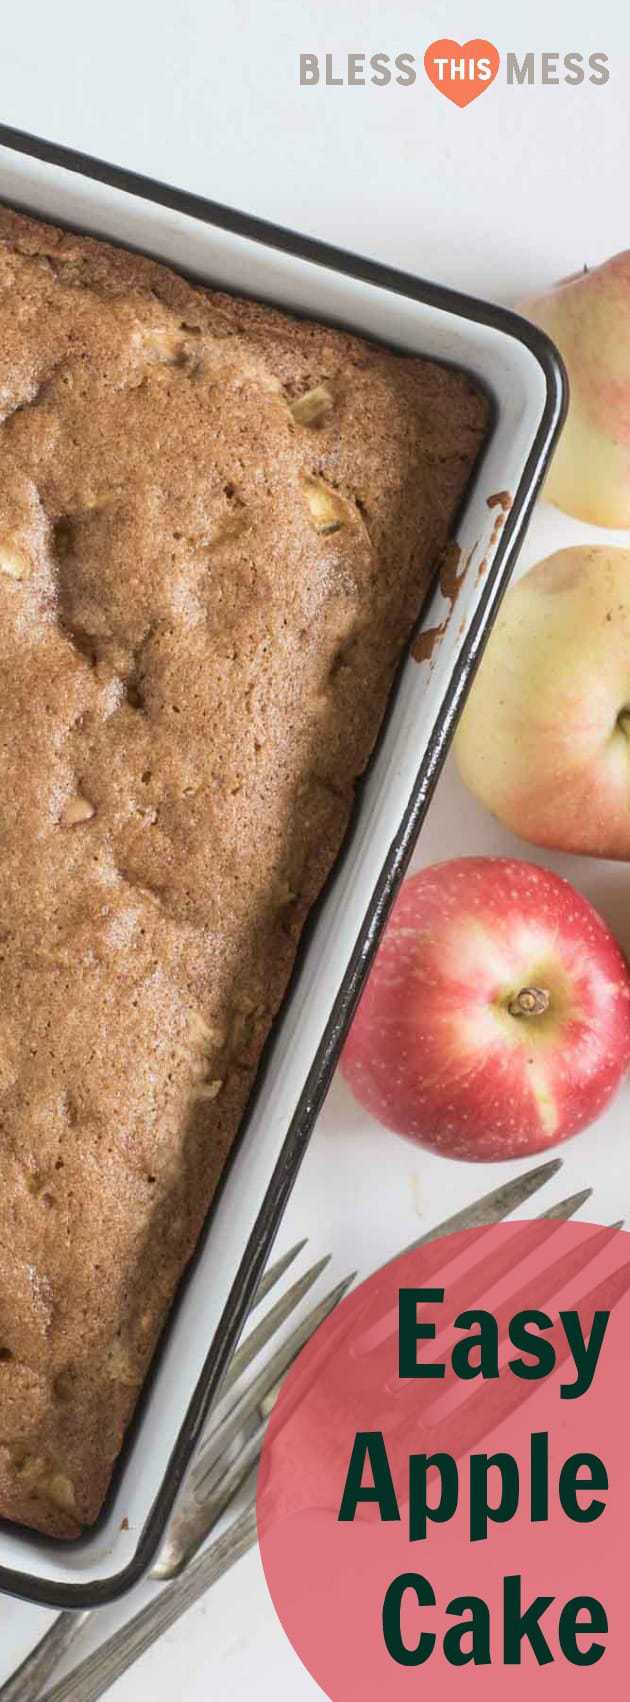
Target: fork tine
x,y
228,1424
566,1208
482,1276
487,1268
189,1528
534,1294
262,1332
492,1207
274,1272
496,1402
174,1555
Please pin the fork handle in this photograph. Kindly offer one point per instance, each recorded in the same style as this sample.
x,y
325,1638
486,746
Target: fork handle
x,y
27,1683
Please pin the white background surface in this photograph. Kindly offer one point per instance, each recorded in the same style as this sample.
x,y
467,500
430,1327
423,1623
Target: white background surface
x,y
525,185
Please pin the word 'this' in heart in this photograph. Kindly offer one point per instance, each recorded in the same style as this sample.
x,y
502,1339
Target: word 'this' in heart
x,y
462,71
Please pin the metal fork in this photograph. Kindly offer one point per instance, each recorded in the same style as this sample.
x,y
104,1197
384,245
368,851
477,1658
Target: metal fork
x,y
226,1462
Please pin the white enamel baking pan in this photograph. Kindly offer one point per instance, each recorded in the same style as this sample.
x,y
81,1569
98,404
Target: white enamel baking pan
x,y
523,374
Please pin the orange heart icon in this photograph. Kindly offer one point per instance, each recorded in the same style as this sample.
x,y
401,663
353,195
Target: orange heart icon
x,y
462,70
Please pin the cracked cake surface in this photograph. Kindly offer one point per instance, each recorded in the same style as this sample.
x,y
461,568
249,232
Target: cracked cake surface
x,y
217,527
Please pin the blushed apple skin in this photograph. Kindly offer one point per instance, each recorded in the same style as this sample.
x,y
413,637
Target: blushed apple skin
x,y
588,317
434,1052
544,740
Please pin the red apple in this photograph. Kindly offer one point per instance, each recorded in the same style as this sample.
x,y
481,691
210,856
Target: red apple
x,y
496,1019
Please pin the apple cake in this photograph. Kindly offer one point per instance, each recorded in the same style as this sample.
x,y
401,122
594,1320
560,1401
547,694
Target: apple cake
x,y
217,527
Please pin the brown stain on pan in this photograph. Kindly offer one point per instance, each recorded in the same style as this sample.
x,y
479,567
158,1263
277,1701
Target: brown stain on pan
x,y
451,576
423,646
502,501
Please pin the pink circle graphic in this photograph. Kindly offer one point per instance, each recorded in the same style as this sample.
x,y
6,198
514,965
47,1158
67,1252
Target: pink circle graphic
x,y
444,1494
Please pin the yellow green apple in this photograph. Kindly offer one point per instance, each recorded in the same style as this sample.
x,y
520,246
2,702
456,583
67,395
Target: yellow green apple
x,y
588,317
544,740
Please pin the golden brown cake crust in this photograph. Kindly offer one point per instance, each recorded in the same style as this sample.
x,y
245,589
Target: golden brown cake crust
x,y
205,585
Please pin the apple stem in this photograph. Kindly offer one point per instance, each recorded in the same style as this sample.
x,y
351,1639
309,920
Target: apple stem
x,y
531,1001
